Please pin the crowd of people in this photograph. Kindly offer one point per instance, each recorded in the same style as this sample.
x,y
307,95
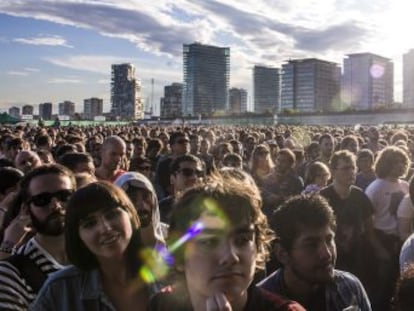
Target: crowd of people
x,y
207,218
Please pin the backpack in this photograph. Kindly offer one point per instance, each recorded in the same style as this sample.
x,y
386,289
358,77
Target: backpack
x,y
29,271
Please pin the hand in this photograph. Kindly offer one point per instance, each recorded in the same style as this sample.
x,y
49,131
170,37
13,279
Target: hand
x,y
218,302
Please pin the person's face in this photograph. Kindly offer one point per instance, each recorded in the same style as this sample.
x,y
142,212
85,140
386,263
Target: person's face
x,y
364,164
112,155
326,146
145,169
181,145
283,163
25,161
204,147
220,259
322,179
85,167
187,176
106,233
48,197
312,256
398,168
164,138
13,151
344,173
129,150
194,145
352,146
144,204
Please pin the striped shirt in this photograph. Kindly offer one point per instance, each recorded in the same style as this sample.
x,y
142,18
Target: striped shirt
x,y
15,293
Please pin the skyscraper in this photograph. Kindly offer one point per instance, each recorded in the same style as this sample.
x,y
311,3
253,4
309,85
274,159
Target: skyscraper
x,y
408,79
66,108
45,111
92,107
126,102
266,83
237,100
310,85
368,81
14,112
171,103
27,110
206,79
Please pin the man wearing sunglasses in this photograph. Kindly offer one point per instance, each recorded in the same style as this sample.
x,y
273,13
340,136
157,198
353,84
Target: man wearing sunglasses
x,y
185,172
44,193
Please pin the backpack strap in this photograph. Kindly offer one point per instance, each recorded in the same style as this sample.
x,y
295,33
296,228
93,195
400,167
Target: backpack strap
x,y
29,270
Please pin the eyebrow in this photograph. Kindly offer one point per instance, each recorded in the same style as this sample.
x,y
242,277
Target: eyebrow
x,y
239,230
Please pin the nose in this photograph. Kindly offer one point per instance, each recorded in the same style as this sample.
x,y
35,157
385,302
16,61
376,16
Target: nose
x,y
326,251
104,224
55,204
228,254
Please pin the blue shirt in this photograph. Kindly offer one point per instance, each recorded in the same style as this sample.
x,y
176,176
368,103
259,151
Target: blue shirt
x,y
343,292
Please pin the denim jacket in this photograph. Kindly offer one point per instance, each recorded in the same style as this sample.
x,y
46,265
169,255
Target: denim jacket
x,y
73,289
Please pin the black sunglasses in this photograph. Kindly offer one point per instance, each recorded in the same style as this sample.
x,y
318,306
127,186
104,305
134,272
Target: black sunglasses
x,y
182,141
188,172
44,199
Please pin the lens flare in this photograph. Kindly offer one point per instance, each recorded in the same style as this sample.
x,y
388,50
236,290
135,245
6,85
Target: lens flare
x,y
377,71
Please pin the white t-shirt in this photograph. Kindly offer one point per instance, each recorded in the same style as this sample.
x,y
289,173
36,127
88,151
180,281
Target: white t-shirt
x,y
406,208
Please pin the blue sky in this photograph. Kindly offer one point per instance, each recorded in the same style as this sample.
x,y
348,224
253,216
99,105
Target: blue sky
x,y
59,50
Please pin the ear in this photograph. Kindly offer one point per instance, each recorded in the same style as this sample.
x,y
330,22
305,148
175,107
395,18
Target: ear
x,y
172,179
281,254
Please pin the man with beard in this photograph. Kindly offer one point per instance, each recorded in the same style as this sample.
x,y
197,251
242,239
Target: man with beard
x,y
44,191
113,153
305,246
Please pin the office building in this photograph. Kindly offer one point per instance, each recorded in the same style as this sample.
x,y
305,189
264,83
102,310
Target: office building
x,y
171,103
66,108
14,112
368,82
266,84
237,100
408,79
45,111
126,101
92,107
206,79
27,110
310,85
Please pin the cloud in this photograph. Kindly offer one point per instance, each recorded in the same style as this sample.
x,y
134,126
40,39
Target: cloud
x,y
44,40
29,69
18,73
64,81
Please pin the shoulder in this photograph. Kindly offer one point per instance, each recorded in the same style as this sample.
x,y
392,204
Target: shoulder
x,y
345,280
263,300
68,273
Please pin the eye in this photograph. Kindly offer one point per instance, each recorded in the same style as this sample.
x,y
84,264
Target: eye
x,y
112,213
243,239
88,224
208,242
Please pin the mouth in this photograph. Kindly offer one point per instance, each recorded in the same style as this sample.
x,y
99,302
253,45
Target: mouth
x,y
227,275
109,240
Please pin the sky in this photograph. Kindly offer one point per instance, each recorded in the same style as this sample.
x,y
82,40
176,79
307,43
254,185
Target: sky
x,y
56,50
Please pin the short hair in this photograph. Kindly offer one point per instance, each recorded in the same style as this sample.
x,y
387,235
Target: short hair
x,y
175,136
288,153
234,200
175,164
88,199
9,178
347,140
14,142
344,155
233,159
386,160
65,148
44,169
72,159
314,170
136,163
304,210
366,153
326,136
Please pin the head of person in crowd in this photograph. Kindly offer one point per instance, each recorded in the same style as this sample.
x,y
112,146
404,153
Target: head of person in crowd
x,y
101,211
155,145
305,241
285,161
261,162
46,156
78,162
249,144
237,146
350,143
140,146
399,136
9,180
403,299
112,153
326,146
211,137
45,190
289,143
83,179
142,195
26,160
273,148
179,143
228,239
233,160
204,146
221,150
343,168
312,151
317,173
129,149
13,147
373,134
64,148
44,142
165,138
141,165
365,160
186,171
194,144
392,162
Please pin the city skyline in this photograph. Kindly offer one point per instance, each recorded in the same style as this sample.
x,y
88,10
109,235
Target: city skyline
x,y
63,50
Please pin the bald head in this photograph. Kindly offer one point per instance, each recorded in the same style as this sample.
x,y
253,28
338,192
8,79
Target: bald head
x,y
112,151
27,160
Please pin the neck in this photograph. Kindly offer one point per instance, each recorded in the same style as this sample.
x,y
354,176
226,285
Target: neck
x,y
104,173
199,303
391,179
115,271
342,190
54,245
297,288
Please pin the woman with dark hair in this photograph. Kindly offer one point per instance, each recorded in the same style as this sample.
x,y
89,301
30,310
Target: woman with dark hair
x,y
103,243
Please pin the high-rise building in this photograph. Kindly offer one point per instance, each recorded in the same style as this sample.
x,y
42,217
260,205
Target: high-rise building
x,y
126,101
66,108
266,84
27,110
310,85
408,79
206,79
368,81
45,111
171,103
92,107
237,100
14,112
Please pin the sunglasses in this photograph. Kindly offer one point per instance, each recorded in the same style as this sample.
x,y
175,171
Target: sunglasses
x,y
44,199
188,172
182,141
144,168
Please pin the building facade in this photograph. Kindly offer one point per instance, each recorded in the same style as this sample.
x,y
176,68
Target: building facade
x,y
66,108
310,85
237,100
266,84
171,103
92,107
368,81
126,101
27,110
408,79
45,111
14,112
206,79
